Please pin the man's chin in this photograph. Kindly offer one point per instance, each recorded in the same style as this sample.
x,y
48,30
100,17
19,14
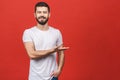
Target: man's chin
x,y
42,23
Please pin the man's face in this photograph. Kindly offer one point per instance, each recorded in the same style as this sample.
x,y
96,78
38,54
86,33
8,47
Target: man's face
x,y
42,15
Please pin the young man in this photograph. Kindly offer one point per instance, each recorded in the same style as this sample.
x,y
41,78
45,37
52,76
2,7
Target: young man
x,y
42,43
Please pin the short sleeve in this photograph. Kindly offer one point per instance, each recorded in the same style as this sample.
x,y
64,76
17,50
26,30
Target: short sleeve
x,y
27,36
59,40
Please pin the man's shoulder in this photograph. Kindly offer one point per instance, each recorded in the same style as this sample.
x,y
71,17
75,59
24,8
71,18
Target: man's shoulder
x,y
53,28
30,29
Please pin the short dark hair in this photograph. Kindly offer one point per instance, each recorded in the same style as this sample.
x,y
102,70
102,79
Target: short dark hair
x,y
42,4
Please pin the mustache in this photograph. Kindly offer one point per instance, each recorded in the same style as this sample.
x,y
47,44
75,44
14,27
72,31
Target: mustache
x,y
42,17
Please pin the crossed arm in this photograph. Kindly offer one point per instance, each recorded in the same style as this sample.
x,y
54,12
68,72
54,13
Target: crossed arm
x,y
33,54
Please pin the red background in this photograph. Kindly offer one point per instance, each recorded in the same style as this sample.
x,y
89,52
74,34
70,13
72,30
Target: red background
x,y
91,28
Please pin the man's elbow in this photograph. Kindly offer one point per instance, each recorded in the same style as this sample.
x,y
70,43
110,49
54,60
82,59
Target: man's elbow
x,y
61,54
32,57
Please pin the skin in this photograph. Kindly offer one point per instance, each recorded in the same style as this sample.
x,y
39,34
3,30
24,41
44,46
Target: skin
x,y
30,48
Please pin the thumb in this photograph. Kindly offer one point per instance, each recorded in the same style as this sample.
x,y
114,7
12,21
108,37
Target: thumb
x,y
52,74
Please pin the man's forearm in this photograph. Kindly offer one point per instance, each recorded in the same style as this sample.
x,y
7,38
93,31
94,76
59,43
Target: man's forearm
x,y
40,53
61,60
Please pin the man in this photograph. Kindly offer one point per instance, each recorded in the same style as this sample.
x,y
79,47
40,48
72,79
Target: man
x,y
42,43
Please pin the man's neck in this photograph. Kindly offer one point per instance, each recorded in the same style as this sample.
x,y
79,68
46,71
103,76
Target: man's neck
x,y
43,27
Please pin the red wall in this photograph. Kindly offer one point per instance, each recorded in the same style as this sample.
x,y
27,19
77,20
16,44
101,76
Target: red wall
x,y
91,28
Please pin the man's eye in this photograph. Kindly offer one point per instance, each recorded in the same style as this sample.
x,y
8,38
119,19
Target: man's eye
x,y
45,12
39,12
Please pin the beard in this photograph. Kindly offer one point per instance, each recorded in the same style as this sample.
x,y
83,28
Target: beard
x,y
42,22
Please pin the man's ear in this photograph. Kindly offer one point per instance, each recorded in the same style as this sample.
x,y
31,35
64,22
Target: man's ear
x,y
34,15
49,15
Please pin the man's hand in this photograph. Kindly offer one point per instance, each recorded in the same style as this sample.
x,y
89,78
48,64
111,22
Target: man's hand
x,y
59,48
62,48
56,73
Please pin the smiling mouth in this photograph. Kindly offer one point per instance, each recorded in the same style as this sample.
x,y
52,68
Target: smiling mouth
x,y
41,19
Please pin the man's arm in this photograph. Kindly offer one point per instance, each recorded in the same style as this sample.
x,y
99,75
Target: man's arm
x,y
33,54
61,57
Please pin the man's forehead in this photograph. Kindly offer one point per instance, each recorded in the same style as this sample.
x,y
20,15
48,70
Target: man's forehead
x,y
42,8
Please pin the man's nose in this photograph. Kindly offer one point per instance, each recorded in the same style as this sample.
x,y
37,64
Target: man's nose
x,y
42,13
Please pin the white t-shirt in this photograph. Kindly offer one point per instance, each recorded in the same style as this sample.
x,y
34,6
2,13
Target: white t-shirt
x,y
40,69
